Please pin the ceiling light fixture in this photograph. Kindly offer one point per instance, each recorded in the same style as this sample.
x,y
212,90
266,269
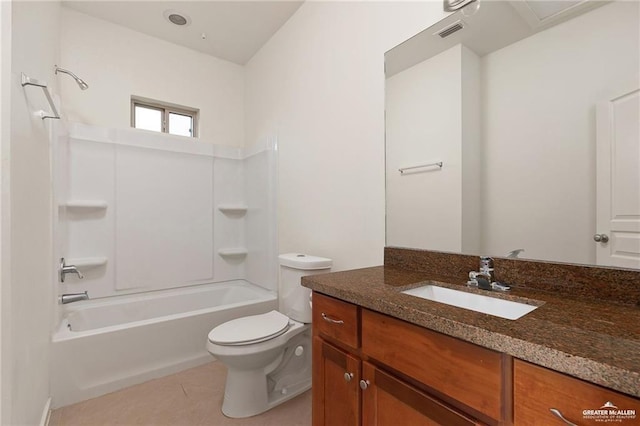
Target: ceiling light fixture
x,y
176,18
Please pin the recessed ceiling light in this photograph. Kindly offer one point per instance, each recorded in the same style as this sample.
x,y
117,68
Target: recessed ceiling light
x,y
177,18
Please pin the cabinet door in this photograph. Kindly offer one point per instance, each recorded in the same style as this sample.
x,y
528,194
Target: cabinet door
x,y
388,401
336,394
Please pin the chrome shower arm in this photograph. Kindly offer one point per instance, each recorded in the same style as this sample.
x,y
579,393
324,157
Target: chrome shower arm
x,y
81,83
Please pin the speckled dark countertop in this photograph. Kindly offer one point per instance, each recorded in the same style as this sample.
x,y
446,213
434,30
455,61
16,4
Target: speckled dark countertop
x,y
597,341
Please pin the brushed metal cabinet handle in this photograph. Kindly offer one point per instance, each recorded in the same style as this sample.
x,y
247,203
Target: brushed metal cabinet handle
x,y
559,415
331,320
364,384
348,377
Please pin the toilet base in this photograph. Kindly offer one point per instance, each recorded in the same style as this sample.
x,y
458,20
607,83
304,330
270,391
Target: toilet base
x,y
240,403
251,392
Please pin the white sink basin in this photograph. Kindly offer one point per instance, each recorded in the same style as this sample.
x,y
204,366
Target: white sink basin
x,y
474,302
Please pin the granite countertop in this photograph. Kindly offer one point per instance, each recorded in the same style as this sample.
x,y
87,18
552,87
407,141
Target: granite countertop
x,y
595,341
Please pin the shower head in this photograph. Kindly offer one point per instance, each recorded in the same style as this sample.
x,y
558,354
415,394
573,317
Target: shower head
x,y
81,83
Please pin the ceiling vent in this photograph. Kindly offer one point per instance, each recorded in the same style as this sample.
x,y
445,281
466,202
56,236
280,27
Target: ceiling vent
x,y
453,28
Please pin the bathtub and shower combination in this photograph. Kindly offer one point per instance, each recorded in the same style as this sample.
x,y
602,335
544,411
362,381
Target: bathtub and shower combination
x,y
137,325
104,345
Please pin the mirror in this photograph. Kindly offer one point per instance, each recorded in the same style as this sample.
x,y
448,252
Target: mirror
x,y
504,95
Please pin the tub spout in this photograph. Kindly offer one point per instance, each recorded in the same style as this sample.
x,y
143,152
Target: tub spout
x,y
73,297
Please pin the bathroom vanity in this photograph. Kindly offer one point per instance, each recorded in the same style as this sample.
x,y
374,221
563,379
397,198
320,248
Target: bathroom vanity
x,y
382,357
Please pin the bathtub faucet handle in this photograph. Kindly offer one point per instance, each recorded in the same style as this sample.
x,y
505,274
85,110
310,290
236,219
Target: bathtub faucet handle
x,y
68,269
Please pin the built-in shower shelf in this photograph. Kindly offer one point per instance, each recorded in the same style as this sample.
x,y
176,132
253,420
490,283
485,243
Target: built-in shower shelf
x,y
87,262
233,209
86,204
233,252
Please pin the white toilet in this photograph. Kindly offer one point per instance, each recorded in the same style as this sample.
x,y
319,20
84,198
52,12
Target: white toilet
x,y
268,356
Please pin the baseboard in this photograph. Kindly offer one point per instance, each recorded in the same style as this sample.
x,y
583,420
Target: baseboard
x,y
72,395
46,413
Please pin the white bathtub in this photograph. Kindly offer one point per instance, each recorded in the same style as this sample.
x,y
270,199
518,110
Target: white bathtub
x,y
104,345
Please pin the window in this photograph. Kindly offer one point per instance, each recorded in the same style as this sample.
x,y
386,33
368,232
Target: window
x,y
159,116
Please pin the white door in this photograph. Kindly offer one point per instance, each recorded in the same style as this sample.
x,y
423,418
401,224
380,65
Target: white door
x,y
618,181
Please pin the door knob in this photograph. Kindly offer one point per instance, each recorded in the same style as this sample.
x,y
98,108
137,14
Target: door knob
x,y
348,376
364,384
601,238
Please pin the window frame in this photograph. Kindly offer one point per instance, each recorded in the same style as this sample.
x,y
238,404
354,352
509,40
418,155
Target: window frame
x,y
165,108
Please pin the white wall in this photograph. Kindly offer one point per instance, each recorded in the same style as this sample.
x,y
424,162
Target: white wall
x,y
540,151
118,62
5,213
318,84
34,51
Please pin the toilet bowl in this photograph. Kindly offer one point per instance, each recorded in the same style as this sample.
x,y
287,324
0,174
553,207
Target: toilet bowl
x,y
268,356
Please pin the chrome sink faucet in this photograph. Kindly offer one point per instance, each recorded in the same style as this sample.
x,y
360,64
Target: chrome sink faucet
x,y
486,267
484,279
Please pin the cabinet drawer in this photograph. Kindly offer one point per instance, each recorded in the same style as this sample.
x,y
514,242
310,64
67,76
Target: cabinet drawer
x,y
336,319
462,371
537,390
388,401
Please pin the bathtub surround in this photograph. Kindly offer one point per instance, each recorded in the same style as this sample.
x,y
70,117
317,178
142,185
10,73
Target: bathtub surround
x,y
143,211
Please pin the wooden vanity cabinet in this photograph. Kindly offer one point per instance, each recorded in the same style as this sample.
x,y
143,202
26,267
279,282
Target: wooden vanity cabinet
x,y
373,369
352,387
537,390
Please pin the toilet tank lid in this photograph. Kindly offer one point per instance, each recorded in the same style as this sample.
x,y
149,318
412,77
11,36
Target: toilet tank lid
x,y
304,261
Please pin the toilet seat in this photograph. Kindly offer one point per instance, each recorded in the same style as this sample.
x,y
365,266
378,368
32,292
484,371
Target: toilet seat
x,y
249,330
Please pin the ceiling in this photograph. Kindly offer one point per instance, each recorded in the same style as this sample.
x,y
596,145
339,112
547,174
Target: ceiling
x,y
492,26
233,30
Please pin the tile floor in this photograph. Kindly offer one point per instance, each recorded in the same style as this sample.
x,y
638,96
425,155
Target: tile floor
x,y
189,398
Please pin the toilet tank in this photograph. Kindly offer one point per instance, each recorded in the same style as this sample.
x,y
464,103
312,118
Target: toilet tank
x,y
293,298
